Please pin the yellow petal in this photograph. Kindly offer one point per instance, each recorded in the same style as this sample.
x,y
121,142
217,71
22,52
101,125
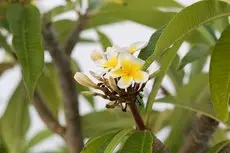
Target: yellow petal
x,y
112,63
140,76
116,73
125,82
136,46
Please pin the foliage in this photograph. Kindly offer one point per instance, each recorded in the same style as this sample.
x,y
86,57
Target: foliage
x,y
196,92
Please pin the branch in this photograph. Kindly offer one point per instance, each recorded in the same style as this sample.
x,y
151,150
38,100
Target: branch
x,y
157,146
197,140
139,121
47,116
73,135
75,36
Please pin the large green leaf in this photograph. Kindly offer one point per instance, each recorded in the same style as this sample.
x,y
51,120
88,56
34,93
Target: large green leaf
x,y
118,139
193,96
174,74
138,11
38,138
99,143
198,51
105,41
25,23
220,75
164,66
48,87
217,148
148,50
15,121
186,21
109,119
138,142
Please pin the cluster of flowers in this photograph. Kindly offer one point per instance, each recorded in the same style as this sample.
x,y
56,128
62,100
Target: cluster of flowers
x,y
122,78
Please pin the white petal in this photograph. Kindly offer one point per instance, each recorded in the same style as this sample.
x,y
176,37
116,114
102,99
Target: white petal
x,y
125,82
136,46
110,52
145,77
130,57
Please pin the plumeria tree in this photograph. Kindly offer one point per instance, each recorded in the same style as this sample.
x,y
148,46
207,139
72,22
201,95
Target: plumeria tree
x,y
199,122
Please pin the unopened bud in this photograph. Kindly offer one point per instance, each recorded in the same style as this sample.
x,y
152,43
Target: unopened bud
x,y
113,84
84,80
95,75
96,55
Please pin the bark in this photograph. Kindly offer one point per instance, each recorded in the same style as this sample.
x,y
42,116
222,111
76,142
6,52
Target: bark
x,y
197,140
62,61
75,36
226,149
47,116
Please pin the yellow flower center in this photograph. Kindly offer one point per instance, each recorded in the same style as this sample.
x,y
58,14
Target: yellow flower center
x,y
132,49
111,63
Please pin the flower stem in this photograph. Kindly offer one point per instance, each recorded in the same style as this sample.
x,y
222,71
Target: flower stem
x,y
136,115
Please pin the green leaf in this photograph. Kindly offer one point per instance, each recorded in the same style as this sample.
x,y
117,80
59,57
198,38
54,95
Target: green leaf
x,y
193,96
105,41
220,75
217,148
117,139
164,66
196,52
148,50
99,143
49,88
138,142
147,14
15,121
175,75
25,26
186,21
109,119
38,138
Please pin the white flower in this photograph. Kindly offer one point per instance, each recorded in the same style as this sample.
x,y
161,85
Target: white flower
x,y
130,71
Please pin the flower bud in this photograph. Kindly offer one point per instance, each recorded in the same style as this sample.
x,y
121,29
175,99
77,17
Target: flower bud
x,y
113,84
95,75
84,80
96,55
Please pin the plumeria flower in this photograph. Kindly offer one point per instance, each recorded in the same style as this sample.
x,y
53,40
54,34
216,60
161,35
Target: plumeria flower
x,y
132,48
122,79
108,61
130,71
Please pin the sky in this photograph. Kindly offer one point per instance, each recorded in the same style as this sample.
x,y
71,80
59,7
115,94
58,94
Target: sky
x,y
121,34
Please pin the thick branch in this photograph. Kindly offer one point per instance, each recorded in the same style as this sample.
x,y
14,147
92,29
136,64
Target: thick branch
x,y
47,116
159,147
197,140
73,135
75,36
